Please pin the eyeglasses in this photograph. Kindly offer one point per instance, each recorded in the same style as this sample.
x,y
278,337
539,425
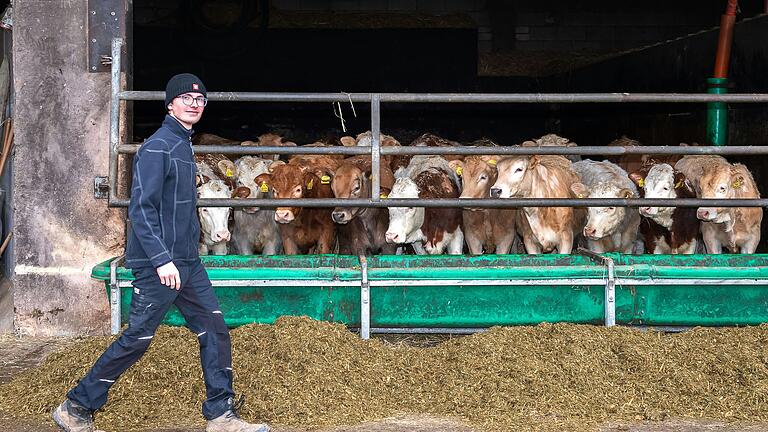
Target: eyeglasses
x,y
187,100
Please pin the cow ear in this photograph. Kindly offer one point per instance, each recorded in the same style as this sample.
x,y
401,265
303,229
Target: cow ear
x,y
626,193
248,143
529,144
679,179
201,179
637,179
580,190
490,159
241,192
388,141
274,165
534,160
348,141
737,181
227,168
457,166
262,181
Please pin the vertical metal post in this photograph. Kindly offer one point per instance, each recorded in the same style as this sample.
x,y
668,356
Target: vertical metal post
x,y
610,294
114,296
376,147
365,300
114,118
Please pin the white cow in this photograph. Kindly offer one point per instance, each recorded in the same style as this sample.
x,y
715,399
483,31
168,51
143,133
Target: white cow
x,y
214,221
608,229
254,229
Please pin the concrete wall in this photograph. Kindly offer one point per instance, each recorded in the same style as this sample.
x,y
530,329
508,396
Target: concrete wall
x,y
62,132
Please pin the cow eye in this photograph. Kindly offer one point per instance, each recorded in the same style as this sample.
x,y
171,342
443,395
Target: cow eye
x,y
611,208
483,177
666,188
205,210
518,170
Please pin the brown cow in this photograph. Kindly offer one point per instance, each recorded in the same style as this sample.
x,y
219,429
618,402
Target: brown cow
x,y
544,229
485,230
635,162
736,228
303,229
361,231
666,230
269,140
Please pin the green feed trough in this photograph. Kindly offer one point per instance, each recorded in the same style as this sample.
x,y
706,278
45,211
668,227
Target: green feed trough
x,y
463,293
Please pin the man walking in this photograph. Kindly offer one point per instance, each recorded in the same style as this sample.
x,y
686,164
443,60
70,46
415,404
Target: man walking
x,y
162,253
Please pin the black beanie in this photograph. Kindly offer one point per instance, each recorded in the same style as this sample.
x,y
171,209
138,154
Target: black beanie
x,y
183,83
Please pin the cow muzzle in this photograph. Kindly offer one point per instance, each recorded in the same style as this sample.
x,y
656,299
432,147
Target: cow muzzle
x,y
495,192
393,237
706,213
340,217
219,236
649,211
284,216
590,232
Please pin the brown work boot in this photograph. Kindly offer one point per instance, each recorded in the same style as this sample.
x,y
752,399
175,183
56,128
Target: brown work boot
x,y
231,422
71,417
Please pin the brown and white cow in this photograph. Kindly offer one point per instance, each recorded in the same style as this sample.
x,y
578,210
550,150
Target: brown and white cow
x,y
429,230
485,230
254,229
425,140
608,229
303,230
544,229
361,231
738,229
666,230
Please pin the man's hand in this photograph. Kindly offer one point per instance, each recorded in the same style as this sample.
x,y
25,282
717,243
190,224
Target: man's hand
x,y
169,275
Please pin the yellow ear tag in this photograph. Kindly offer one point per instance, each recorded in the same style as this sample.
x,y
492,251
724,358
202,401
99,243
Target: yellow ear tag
x,y
229,172
325,179
641,182
310,184
492,162
581,196
737,184
383,195
679,184
459,170
264,187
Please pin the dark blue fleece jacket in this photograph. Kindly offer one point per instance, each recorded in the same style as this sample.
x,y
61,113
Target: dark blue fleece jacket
x,y
163,202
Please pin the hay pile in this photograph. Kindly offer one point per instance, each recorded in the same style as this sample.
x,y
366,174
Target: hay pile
x,y
549,377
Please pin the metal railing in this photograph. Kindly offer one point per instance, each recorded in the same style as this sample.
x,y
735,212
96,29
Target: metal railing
x,y
376,151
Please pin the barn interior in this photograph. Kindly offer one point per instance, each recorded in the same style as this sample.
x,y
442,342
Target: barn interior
x,y
456,46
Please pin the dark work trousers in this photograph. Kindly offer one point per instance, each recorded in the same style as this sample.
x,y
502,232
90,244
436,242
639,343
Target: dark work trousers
x,y
151,300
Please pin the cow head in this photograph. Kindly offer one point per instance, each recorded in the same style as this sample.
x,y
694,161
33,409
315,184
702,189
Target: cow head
x,y
721,184
602,221
351,182
294,181
247,171
214,221
660,180
404,221
512,179
477,174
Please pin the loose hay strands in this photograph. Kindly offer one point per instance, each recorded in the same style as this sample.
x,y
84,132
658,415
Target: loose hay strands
x,y
545,378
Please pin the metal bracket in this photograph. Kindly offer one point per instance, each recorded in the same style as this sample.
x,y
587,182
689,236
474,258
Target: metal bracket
x,y
365,300
101,187
106,20
610,284
114,295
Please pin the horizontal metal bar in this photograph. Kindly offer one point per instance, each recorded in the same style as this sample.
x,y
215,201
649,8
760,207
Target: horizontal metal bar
x,y
501,151
620,282
473,203
248,150
465,97
586,150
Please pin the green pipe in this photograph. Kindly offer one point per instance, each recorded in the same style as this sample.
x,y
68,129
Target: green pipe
x,y
717,113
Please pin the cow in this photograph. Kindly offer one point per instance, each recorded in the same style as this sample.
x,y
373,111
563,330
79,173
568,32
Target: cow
x,y
211,139
215,166
544,229
303,230
666,230
738,229
552,140
254,229
485,230
269,140
608,229
214,221
361,231
429,230
635,162
365,140
425,140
